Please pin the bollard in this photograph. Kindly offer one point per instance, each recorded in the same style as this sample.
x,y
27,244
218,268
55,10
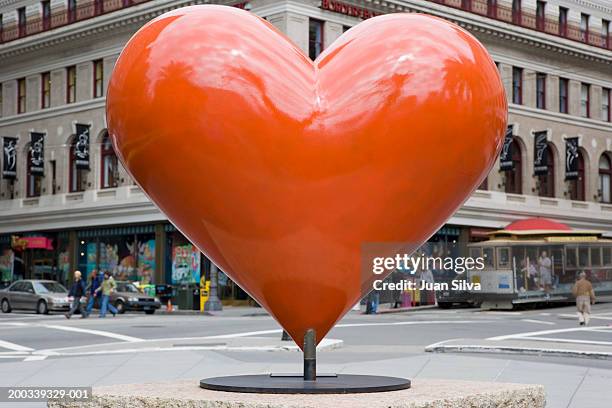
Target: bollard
x,y
310,355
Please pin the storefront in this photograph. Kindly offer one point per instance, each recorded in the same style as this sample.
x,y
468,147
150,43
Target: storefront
x,y
127,252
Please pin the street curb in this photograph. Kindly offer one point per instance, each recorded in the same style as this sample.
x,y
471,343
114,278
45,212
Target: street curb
x,y
467,348
405,309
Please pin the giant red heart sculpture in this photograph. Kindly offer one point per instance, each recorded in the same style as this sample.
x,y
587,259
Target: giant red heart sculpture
x,y
279,168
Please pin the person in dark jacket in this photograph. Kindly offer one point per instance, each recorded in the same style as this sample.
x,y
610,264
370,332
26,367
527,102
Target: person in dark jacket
x,y
93,293
77,291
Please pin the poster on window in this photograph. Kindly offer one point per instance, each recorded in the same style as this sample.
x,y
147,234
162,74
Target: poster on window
x,y
540,151
36,165
125,252
9,158
109,257
146,261
81,147
571,158
91,258
7,258
63,265
185,264
505,157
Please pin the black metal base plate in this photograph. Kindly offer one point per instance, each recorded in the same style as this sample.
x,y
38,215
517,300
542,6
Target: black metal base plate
x,y
329,384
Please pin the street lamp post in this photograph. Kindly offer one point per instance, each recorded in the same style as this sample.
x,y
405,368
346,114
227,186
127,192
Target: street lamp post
x,y
213,303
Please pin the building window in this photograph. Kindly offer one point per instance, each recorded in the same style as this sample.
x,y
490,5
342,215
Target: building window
x,y
21,21
517,85
45,86
77,176
563,95
606,99
71,84
98,7
516,11
563,21
21,95
315,38
605,178
46,14
605,33
585,101
584,27
576,186
33,181
546,182
72,10
110,169
541,90
514,177
466,5
492,8
98,78
0,100
540,15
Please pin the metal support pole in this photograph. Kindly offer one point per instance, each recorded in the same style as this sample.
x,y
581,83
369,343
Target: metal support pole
x,y
310,355
213,303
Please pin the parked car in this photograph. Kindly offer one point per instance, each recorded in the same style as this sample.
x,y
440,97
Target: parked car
x,y
41,296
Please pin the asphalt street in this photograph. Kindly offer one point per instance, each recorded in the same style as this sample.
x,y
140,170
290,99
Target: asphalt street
x,y
541,346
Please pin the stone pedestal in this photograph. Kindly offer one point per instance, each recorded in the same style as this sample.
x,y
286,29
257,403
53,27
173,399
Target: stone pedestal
x,y
424,393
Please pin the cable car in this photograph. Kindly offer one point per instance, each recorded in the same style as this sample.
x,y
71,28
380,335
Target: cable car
x,y
537,261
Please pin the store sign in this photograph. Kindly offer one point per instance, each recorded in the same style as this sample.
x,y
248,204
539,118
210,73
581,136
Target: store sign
x,y
348,9
571,158
9,158
81,147
37,154
540,153
21,243
505,157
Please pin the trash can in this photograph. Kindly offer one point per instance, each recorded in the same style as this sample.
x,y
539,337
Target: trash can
x,y
184,298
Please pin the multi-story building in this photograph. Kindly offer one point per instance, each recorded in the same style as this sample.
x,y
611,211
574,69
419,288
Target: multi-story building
x,y
70,210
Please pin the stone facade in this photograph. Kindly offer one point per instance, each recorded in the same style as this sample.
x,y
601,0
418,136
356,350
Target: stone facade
x,y
102,37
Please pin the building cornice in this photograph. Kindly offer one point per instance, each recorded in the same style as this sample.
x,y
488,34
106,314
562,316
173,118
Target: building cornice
x,y
141,13
563,118
116,20
41,114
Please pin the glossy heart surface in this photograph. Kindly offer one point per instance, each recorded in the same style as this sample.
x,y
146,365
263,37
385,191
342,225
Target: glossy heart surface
x,y
279,168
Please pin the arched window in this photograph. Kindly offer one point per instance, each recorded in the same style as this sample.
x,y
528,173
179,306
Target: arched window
x,y
514,177
546,182
605,178
33,181
110,170
576,186
78,176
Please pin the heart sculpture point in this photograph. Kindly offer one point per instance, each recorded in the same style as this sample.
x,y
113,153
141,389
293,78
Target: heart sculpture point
x,y
279,168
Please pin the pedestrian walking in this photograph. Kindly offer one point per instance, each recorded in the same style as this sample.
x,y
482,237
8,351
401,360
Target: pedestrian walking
x,y
107,287
96,280
77,291
585,297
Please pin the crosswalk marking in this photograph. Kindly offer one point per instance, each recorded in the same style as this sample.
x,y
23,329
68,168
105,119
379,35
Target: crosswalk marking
x,y
14,347
94,332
